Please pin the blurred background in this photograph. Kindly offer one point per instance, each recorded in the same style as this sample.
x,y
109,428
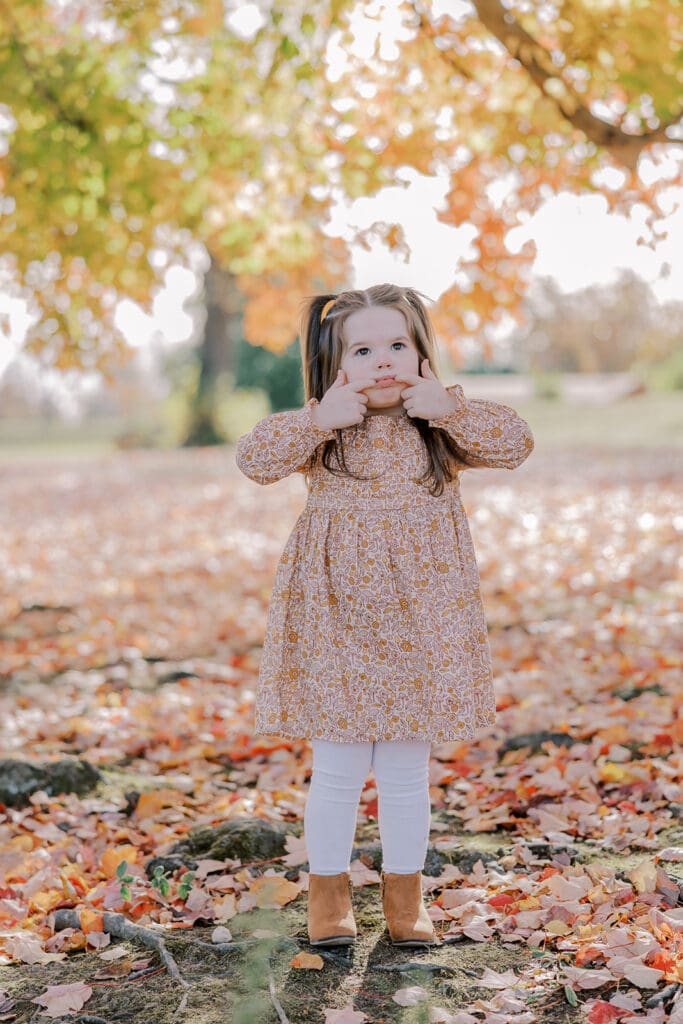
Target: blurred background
x,y
176,178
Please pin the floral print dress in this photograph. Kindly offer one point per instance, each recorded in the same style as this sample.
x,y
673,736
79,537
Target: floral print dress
x,y
376,627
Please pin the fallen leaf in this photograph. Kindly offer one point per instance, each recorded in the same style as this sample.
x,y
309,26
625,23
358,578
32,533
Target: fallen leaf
x,y
410,996
581,977
150,803
601,1012
494,979
113,856
27,948
274,891
361,874
642,976
120,969
114,953
90,920
670,853
298,853
644,876
309,961
6,1006
346,1016
61,999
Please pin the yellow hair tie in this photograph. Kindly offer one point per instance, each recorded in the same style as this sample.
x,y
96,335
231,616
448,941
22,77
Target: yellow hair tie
x,y
326,308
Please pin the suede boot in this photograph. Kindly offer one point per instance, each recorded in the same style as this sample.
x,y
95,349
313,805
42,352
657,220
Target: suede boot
x,y
330,912
407,919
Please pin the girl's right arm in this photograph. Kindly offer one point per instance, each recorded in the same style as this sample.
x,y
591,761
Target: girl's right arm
x,y
280,444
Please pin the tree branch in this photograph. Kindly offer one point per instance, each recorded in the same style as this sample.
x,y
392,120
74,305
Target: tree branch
x,y
40,86
539,65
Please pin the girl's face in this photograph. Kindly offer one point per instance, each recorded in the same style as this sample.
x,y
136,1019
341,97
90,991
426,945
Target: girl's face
x,y
377,344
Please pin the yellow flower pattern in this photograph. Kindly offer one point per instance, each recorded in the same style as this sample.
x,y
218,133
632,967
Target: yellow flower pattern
x,y
376,627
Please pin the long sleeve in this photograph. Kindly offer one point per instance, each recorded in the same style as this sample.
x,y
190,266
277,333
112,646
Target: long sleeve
x,y
487,433
280,444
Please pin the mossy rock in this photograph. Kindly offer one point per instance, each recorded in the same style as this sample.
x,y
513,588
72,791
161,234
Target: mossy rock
x,y
535,740
19,779
243,839
247,840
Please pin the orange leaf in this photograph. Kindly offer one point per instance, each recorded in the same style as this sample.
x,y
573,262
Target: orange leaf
x,y
91,920
309,961
114,855
151,803
588,955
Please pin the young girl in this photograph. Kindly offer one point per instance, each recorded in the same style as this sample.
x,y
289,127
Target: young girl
x,y
376,641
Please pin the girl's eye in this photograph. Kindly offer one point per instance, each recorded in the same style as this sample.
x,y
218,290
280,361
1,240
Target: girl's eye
x,y
364,348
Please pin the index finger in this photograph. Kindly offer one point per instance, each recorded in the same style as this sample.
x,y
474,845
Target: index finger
x,y
361,385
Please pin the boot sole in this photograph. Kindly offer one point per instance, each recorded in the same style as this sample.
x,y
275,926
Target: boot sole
x,y
334,940
415,942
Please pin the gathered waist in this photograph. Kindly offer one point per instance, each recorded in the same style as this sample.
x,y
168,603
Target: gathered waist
x,y
397,501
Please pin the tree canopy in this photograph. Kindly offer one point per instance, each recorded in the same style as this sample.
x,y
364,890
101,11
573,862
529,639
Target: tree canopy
x,y
134,128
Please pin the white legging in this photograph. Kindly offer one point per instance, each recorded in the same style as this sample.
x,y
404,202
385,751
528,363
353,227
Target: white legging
x,y
401,770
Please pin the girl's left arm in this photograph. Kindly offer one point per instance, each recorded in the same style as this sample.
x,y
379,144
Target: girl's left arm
x,y
487,433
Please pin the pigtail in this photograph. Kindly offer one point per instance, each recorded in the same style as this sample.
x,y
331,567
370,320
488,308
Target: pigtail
x,y
316,353
414,299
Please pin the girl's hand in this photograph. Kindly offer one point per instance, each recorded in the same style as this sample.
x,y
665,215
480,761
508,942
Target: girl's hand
x,y
343,404
426,397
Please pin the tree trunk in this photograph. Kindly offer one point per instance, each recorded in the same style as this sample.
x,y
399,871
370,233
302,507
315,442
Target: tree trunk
x,y
223,328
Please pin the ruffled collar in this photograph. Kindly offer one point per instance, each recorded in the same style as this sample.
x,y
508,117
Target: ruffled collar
x,y
382,419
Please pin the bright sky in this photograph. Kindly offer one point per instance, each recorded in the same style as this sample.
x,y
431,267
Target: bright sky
x,y
578,244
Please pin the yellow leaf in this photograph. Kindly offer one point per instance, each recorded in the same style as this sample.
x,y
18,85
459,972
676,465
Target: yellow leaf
x,y
556,927
529,903
610,772
272,890
46,900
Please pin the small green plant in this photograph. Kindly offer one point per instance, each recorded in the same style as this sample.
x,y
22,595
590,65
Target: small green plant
x,y
160,881
570,995
124,879
185,885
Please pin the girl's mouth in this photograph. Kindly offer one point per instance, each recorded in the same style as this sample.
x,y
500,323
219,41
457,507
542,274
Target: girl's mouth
x,y
385,382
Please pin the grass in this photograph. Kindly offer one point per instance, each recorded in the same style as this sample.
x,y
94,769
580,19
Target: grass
x,y
651,420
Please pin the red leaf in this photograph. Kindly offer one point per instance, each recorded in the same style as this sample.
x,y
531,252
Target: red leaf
x,y
603,1013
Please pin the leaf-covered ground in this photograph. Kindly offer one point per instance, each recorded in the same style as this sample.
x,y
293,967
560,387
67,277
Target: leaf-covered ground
x,y
132,613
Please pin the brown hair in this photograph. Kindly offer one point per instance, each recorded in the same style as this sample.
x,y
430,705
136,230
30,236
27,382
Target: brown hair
x,y
321,354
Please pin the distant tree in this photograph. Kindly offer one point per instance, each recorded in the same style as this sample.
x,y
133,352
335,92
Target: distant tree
x,y
601,328
278,375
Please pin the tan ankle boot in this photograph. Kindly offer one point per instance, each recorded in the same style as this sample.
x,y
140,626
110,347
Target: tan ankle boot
x,y
407,919
330,912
